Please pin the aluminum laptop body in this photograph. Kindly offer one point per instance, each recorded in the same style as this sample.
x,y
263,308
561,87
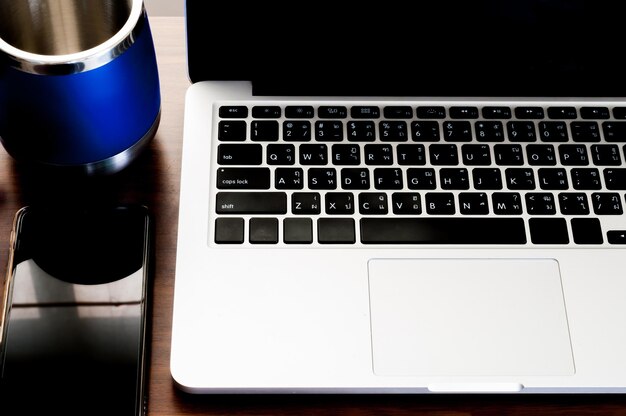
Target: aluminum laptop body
x,y
402,199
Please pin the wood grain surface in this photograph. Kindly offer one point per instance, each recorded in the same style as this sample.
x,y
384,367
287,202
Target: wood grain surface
x,y
153,179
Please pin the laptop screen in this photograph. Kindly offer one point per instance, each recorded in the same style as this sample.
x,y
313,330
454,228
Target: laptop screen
x,y
455,48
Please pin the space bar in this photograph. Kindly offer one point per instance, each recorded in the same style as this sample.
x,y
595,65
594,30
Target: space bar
x,y
442,231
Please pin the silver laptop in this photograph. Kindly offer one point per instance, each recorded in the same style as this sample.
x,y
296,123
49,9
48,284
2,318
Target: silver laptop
x,y
402,199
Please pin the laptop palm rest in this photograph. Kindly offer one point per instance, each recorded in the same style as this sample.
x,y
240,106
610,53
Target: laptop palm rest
x,y
464,317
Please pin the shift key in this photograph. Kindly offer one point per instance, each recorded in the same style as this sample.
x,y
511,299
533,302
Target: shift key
x,y
243,178
251,203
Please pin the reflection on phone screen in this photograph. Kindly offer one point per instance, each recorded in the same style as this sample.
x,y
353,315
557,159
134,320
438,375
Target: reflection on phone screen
x,y
74,340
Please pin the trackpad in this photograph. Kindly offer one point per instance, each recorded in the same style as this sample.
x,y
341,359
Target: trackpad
x,y
447,317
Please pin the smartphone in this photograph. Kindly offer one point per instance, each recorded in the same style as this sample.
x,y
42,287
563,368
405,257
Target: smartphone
x,y
75,307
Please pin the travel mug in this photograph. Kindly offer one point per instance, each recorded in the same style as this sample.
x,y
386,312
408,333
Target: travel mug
x,y
79,84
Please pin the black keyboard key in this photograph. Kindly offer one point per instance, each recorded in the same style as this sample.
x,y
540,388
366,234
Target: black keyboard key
x,y
229,230
430,112
552,178
336,231
251,203
355,178
606,203
585,131
529,112
346,154
619,113
411,154
616,236
520,178
506,203
406,203
305,203
606,155
487,178
491,112
457,131
329,131
313,154
565,113
521,131
266,111
264,130
298,231
541,154
231,131
299,111
440,203
364,111
388,178
540,203
586,231
443,154
233,111
573,203
335,111
454,178
393,131
263,231
476,154
395,111
548,231
373,203
421,178
378,154
591,113
553,131
614,131
425,131
464,112
615,179
473,203
508,154
281,154
573,155
339,203
361,131
322,178
586,179
489,131
243,178
297,131
390,230
289,178
239,154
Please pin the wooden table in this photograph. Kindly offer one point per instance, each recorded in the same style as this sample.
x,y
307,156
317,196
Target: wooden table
x,y
154,180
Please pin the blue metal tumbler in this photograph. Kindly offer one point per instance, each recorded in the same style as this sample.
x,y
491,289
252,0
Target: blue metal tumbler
x,y
79,85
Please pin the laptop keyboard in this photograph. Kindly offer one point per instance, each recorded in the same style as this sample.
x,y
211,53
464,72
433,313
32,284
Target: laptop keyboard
x,y
400,174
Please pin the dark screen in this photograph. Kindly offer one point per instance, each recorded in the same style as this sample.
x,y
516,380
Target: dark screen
x,y
458,48
75,334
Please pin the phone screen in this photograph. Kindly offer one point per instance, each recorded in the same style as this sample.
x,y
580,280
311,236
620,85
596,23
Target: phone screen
x,y
74,328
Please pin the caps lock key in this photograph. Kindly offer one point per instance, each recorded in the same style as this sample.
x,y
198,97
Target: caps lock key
x,y
243,178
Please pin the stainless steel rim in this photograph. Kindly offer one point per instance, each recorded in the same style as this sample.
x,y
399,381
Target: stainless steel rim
x,y
72,63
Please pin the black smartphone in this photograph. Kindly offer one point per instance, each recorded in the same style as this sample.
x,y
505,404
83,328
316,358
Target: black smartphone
x,y
74,323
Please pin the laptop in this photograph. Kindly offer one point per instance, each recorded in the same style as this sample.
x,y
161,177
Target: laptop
x,y
402,198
